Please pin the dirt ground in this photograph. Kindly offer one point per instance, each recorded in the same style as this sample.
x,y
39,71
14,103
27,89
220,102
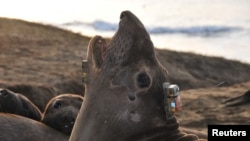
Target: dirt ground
x,y
38,54
210,106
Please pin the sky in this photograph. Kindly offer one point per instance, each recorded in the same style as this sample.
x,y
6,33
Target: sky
x,y
169,13
61,10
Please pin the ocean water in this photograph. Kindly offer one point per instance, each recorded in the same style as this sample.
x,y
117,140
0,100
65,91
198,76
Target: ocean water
x,y
207,27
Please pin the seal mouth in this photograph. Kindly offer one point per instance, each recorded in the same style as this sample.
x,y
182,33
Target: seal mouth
x,y
69,125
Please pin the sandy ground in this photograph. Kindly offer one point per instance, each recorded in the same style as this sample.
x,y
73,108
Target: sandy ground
x,y
43,55
202,107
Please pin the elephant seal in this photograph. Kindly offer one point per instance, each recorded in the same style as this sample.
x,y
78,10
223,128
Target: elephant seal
x,y
73,86
61,112
239,100
38,94
16,103
124,96
15,127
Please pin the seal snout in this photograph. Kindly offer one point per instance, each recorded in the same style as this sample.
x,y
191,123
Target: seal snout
x,y
69,119
122,15
129,17
129,41
125,14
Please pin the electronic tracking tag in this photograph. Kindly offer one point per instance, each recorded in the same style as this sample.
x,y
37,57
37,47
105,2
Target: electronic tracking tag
x,y
84,70
172,99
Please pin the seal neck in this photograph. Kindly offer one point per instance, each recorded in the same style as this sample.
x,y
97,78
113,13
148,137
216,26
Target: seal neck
x,y
170,132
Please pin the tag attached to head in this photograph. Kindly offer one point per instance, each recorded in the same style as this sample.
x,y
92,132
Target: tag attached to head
x,y
172,99
84,70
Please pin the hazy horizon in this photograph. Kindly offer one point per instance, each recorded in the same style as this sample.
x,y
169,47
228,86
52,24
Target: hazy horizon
x,y
200,26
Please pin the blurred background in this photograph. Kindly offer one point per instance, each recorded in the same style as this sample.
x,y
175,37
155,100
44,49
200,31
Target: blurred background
x,y
207,27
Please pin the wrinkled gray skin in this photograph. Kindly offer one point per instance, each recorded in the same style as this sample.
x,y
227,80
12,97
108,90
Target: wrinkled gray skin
x,y
124,96
19,128
16,103
61,112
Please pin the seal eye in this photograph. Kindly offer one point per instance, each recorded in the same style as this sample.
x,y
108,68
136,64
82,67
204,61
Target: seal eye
x,y
57,104
143,80
4,93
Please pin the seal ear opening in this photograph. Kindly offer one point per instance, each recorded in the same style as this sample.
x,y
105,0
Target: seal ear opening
x,y
95,56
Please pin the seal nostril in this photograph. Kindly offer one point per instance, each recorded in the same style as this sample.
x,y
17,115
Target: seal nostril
x,y
122,15
66,118
131,96
72,121
69,118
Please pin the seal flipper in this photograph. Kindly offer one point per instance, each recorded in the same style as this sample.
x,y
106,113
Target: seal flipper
x,y
95,56
96,51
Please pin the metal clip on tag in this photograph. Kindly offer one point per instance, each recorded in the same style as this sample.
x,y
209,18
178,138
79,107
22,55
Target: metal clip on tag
x,y
84,70
172,99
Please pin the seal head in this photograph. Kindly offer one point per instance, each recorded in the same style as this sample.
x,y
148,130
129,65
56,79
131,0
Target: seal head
x,y
124,94
19,104
61,111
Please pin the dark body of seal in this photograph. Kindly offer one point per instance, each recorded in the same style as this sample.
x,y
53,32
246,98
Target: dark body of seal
x,y
16,103
239,100
61,112
19,128
124,93
38,94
